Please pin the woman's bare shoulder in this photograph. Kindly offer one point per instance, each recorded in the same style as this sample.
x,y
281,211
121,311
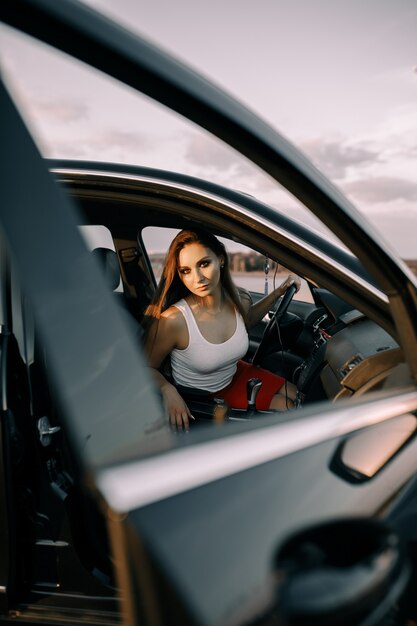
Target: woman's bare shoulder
x,y
172,313
173,318
174,327
168,330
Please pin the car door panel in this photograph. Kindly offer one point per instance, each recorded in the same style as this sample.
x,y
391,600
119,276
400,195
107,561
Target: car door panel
x,y
67,299
201,558
66,308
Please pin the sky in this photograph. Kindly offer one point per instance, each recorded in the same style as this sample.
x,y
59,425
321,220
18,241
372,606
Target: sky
x,y
336,78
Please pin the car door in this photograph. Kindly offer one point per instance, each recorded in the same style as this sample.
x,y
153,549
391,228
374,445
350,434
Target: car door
x,y
160,509
174,85
28,461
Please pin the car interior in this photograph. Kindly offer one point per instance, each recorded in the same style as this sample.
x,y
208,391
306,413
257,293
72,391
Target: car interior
x,y
326,346
60,542
338,345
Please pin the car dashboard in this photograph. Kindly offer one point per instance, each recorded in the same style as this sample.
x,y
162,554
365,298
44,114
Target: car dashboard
x,y
358,358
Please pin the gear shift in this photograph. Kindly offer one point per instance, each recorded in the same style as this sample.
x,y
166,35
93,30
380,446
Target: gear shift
x,y
252,389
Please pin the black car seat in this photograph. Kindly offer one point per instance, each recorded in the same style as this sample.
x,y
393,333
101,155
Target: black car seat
x,y
109,265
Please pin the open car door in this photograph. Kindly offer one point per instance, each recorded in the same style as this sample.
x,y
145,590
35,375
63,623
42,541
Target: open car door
x,y
194,525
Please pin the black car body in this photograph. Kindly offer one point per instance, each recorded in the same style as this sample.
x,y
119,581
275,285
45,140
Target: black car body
x,y
106,516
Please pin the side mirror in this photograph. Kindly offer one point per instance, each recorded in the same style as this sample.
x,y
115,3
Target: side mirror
x,y
365,453
345,573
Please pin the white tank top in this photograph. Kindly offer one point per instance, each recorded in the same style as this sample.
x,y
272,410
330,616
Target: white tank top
x,y
205,365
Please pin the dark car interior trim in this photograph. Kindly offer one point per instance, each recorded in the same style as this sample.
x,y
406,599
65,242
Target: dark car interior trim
x,y
126,487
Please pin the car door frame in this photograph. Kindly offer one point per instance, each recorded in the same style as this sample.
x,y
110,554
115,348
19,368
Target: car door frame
x,y
88,36
82,33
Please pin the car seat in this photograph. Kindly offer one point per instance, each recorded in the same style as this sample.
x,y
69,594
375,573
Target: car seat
x,y
109,265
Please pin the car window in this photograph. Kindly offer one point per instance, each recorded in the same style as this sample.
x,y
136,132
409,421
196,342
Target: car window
x,y
78,116
77,113
352,112
85,128
250,269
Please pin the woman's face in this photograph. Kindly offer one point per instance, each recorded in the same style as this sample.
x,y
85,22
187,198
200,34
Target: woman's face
x,y
199,269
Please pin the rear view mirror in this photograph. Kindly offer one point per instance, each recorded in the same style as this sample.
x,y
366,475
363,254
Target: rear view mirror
x,y
345,573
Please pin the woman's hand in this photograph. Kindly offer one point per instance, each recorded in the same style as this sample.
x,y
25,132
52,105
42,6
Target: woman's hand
x,y
257,311
178,412
291,279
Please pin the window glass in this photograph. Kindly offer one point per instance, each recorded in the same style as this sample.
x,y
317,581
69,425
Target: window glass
x,y
353,116
247,266
75,112
350,109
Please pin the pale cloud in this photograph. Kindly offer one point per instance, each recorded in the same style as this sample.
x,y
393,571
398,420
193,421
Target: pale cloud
x,y
210,159
396,135
67,149
369,169
113,138
396,222
376,169
374,173
398,77
381,189
373,170
334,157
392,176
60,111
110,144
204,151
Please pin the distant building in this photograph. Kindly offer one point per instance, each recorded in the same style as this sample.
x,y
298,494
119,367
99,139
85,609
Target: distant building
x,y
244,262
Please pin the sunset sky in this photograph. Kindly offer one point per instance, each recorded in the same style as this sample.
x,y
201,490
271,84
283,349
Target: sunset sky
x,y
336,78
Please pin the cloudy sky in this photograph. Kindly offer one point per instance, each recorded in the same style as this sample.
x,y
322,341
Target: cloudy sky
x,y
337,78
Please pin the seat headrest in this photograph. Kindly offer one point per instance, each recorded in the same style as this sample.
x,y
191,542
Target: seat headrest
x,y
109,264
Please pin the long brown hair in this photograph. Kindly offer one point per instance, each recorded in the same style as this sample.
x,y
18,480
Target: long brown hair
x,y
171,288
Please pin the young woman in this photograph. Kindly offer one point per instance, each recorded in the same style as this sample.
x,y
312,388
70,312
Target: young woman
x,y
199,318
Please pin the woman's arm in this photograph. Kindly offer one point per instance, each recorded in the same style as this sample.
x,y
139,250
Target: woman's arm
x,y
257,311
161,340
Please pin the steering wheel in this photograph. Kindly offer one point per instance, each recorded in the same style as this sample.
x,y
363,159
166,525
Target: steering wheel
x,y
279,310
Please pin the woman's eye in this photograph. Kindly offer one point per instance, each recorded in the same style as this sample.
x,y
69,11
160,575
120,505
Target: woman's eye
x,y
204,263
184,271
